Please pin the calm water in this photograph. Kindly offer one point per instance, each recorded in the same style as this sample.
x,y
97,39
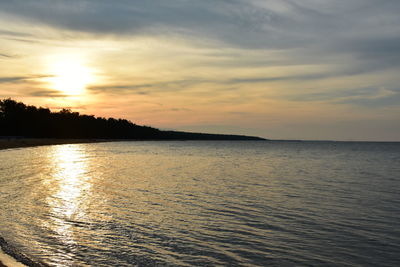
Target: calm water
x,y
203,203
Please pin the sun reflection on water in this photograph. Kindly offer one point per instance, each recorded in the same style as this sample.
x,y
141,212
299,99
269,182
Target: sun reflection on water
x,y
71,183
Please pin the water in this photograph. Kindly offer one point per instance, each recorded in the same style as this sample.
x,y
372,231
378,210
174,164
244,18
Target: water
x,y
203,203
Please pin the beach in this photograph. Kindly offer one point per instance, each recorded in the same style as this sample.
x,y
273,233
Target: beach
x,y
8,261
6,143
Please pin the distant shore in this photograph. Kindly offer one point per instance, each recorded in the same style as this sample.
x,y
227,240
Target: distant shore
x,y
6,143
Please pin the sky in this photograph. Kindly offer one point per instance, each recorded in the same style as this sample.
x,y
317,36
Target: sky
x,y
279,69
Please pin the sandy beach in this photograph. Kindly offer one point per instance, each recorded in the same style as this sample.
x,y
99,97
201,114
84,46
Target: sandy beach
x,y
6,143
8,261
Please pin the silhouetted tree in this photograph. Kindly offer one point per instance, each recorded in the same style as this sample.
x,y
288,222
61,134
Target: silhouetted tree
x,y
18,119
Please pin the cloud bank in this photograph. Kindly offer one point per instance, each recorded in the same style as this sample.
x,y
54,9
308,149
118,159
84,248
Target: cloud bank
x,y
334,55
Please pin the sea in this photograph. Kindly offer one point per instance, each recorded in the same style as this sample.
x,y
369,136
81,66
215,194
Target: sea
x,y
202,203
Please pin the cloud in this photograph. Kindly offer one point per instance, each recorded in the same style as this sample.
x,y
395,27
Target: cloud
x,y
11,79
342,93
385,98
105,17
364,29
147,88
13,33
47,93
268,23
6,55
305,53
20,79
370,97
299,77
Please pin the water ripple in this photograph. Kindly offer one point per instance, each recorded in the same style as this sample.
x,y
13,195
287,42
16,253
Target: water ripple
x,y
203,203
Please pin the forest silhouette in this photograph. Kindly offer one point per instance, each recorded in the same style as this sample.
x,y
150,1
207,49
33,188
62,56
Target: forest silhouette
x,y
20,120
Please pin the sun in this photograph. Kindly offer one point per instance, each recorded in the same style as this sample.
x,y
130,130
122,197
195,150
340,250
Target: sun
x,y
69,75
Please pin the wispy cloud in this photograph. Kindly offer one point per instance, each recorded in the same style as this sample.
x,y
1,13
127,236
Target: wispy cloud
x,y
247,23
147,88
2,55
300,56
20,79
12,79
14,33
365,29
47,93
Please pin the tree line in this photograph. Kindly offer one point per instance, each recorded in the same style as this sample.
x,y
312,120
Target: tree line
x,y
18,119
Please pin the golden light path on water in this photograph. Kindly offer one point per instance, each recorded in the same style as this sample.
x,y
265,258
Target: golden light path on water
x,y
72,184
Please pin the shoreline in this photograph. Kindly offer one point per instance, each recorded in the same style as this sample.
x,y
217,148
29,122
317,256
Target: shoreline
x,y
11,257
16,142
8,143
8,261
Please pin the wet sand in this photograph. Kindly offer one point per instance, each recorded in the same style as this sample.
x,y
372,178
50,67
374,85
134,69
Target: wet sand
x,y
8,261
6,143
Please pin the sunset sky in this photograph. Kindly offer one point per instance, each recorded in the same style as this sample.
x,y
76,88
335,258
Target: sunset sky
x,y
280,69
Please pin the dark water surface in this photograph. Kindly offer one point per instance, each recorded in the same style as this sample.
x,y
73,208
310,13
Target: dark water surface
x,y
203,203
